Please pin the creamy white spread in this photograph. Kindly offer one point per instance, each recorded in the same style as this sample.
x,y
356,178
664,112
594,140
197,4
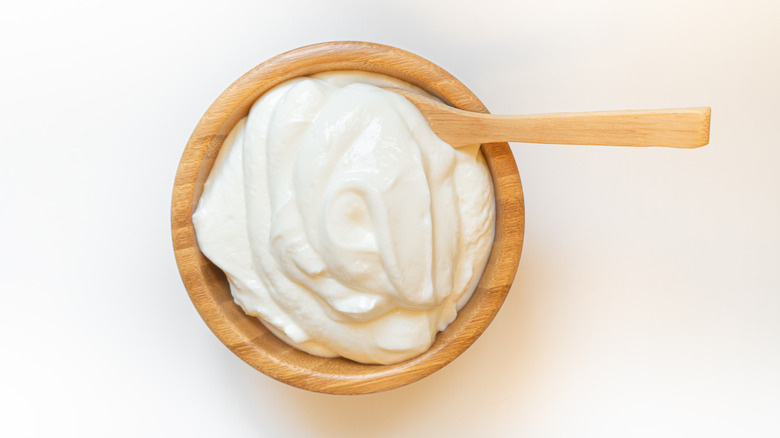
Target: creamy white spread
x,y
342,222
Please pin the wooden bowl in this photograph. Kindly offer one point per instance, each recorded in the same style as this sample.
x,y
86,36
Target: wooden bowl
x,y
245,335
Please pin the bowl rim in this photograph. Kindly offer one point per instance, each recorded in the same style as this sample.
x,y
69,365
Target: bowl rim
x,y
245,335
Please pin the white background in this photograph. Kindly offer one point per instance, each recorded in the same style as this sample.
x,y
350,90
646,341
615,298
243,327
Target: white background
x,y
647,301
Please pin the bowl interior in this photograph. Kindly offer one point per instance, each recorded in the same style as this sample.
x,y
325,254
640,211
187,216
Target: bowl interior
x,y
246,336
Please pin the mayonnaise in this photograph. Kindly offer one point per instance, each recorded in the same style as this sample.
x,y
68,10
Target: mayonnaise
x,y
343,223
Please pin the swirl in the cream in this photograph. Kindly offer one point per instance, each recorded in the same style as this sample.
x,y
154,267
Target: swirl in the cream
x,y
343,222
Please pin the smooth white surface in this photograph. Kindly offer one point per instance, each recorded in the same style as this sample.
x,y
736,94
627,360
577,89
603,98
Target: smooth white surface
x,y
647,301
343,222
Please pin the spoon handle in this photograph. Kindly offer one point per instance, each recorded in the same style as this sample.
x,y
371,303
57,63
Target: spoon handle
x,y
677,128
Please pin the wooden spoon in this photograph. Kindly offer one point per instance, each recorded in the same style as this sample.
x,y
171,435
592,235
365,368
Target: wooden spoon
x,y
676,128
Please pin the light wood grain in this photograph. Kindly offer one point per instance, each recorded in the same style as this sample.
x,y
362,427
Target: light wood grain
x,y
675,128
245,335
